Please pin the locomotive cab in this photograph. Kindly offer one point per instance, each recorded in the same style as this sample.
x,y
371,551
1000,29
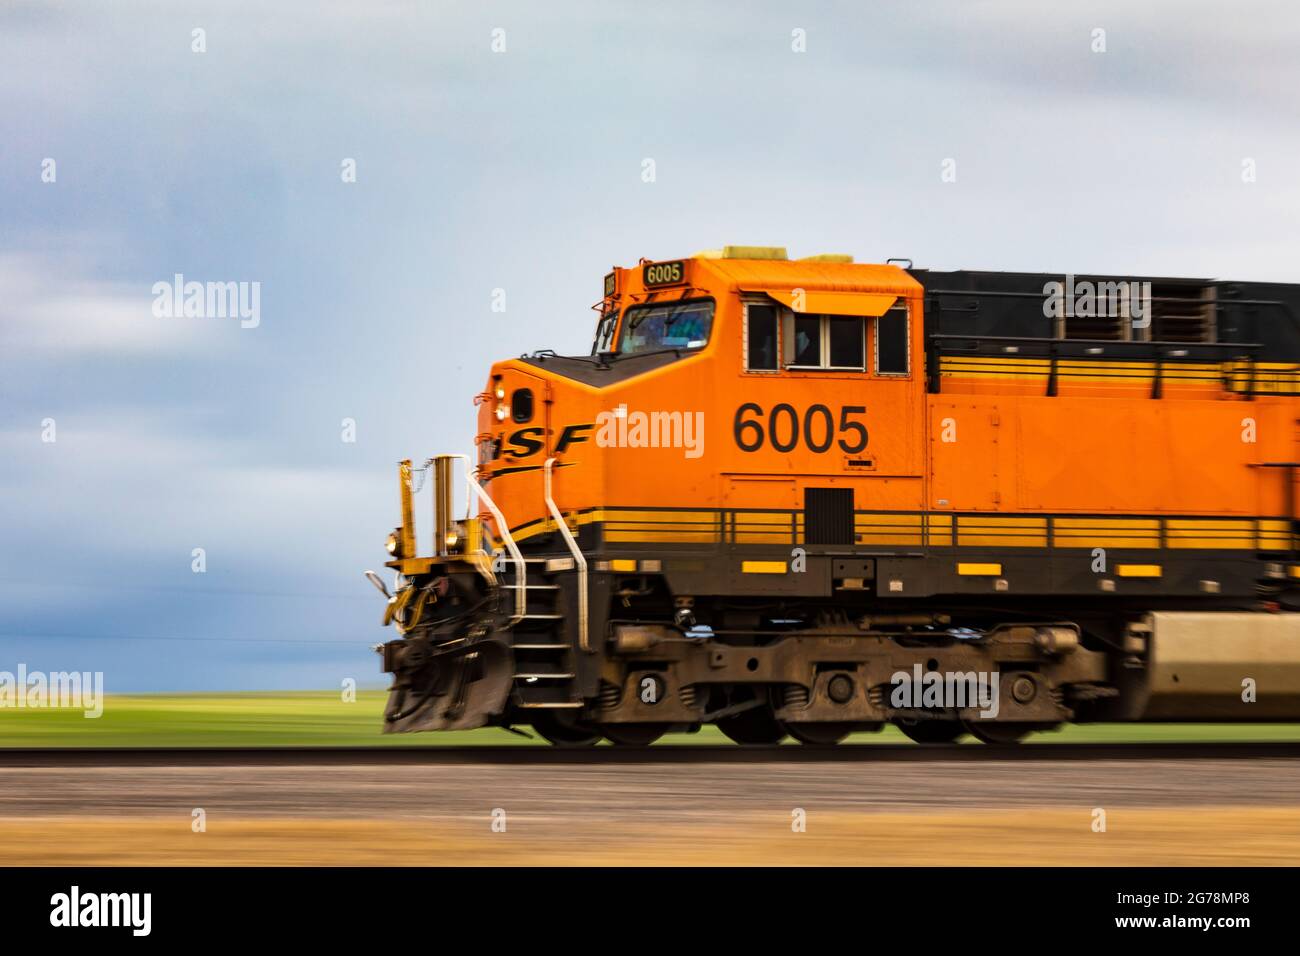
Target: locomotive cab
x,y
648,416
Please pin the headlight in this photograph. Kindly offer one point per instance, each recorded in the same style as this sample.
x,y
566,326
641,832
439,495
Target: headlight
x,y
502,412
393,544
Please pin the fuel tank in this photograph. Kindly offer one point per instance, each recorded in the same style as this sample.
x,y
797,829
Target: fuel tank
x,y
1220,666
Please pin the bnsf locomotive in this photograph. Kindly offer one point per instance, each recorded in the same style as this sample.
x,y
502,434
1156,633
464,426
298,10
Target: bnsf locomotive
x,y
778,492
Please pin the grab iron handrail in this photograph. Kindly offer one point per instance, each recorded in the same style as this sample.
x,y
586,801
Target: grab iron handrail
x,y
1057,351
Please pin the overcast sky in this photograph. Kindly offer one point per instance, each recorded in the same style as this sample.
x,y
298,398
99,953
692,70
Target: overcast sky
x,y
519,170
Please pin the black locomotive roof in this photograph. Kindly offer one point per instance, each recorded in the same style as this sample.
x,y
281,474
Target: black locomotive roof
x,y
1012,304
602,370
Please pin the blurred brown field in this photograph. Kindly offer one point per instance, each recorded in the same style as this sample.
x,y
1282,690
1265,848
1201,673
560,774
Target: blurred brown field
x,y
1054,837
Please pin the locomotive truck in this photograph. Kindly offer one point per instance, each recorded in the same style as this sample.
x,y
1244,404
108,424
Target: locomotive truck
x,y
778,491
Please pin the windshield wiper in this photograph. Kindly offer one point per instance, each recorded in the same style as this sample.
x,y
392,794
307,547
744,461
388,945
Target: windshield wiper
x,y
623,356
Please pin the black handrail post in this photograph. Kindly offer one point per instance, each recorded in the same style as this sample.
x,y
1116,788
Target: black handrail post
x,y
932,366
1290,506
1051,371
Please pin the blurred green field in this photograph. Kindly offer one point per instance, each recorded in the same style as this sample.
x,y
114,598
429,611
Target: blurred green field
x,y
323,719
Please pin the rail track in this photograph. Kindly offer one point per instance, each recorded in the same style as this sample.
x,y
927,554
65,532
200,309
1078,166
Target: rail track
x,y
666,754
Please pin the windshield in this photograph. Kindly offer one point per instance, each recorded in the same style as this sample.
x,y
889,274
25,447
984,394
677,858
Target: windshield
x,y
672,325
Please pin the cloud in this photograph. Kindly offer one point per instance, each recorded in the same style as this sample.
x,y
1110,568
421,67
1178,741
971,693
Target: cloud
x,y
55,306
122,483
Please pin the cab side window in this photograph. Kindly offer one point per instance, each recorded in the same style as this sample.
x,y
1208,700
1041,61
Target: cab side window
x,y
892,342
844,336
805,342
777,339
831,342
761,338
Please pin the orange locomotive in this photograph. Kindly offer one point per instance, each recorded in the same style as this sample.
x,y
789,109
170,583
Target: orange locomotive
x,y
812,497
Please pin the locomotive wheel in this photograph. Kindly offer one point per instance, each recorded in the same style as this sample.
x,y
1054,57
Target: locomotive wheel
x,y
634,735
1001,733
818,734
561,734
931,731
754,726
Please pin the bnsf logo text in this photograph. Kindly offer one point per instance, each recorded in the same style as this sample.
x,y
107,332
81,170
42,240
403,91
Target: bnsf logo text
x,y
529,441
786,429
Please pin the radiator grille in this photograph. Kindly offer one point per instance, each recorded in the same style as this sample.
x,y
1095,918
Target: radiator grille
x,y
828,515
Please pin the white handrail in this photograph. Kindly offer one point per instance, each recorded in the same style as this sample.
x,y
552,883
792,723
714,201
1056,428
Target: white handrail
x,y
578,558
521,567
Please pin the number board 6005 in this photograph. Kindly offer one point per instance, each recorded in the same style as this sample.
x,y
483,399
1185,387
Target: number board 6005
x,y
785,429
663,273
